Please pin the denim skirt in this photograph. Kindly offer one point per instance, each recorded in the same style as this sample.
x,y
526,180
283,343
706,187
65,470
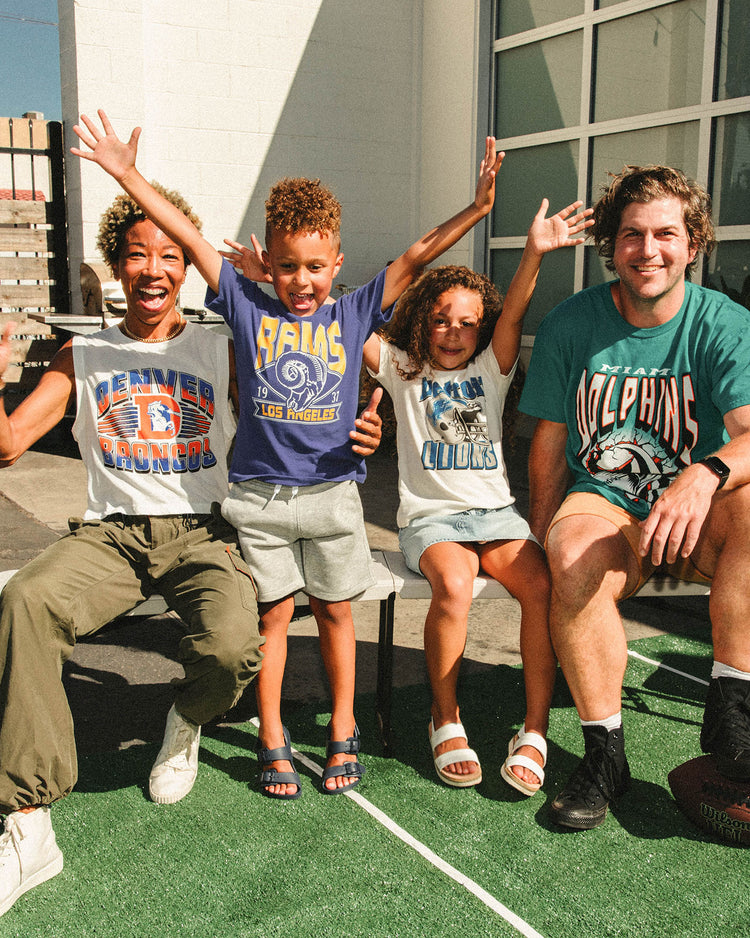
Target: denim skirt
x,y
477,525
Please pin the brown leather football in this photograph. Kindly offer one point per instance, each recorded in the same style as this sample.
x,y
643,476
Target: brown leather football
x,y
716,804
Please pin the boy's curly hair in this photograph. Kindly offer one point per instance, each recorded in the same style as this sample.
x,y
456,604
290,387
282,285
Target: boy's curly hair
x,y
409,329
301,204
643,184
123,213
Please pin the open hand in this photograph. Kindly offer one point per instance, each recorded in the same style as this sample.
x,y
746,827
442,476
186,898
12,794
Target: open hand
x,y
105,147
548,234
248,261
675,522
484,196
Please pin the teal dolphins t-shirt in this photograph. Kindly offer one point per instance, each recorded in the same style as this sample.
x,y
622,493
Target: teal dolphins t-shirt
x,y
639,404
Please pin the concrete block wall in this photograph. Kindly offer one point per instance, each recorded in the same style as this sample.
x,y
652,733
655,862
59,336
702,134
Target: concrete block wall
x,y
234,94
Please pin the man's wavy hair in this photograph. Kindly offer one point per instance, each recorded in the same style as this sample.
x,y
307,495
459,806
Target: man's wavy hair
x,y
299,204
123,213
644,184
409,329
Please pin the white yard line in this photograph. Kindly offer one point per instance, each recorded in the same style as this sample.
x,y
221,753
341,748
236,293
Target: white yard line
x,y
666,667
474,888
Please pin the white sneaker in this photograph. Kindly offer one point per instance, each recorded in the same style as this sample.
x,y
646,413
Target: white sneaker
x,y
176,766
29,854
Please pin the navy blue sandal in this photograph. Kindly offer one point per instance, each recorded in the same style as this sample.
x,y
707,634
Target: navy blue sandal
x,y
271,776
349,769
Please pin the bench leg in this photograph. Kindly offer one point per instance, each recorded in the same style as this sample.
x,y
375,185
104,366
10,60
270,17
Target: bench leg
x,y
384,689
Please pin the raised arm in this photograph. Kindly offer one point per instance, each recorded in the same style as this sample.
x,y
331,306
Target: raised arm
x,y
41,410
413,261
118,159
544,235
548,475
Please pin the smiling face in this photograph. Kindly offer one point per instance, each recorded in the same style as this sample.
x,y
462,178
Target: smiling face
x,y
303,265
652,251
151,269
454,328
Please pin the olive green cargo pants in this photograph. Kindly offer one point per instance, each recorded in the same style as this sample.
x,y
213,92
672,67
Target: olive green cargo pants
x,y
101,570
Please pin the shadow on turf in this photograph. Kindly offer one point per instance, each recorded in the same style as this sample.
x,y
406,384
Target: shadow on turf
x,y
491,710
646,811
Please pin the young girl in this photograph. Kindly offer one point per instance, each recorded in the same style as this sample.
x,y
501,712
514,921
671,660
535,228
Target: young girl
x,y
447,359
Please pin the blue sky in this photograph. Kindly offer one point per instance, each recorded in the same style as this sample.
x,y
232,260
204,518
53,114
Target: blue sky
x,y
29,58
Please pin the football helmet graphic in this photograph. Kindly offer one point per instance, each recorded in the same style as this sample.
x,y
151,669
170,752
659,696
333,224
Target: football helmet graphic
x,y
456,421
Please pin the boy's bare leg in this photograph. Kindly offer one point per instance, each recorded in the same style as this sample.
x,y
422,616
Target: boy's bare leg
x,y
338,648
274,625
450,569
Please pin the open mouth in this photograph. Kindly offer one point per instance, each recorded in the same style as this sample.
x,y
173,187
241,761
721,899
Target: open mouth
x,y
302,301
152,298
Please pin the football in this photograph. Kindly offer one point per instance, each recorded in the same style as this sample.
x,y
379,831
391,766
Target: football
x,y
717,805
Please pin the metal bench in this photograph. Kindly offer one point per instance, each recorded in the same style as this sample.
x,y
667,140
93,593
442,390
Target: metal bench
x,y
394,580
409,585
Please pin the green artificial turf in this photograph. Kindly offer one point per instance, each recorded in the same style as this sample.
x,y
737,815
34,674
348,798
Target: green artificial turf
x,y
227,862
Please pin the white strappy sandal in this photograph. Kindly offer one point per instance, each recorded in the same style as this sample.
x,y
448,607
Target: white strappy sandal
x,y
453,731
522,738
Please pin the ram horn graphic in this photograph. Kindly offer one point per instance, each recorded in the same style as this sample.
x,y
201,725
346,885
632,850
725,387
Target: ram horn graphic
x,y
302,376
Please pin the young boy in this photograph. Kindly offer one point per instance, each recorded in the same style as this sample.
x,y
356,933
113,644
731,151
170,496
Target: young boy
x,y
294,499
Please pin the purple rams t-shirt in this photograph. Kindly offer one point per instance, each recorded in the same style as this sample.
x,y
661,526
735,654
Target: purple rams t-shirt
x,y
298,380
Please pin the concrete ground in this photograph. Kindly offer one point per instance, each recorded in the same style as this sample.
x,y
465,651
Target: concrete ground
x,y
118,682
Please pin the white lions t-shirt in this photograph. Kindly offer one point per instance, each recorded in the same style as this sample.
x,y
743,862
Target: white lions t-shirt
x,y
449,435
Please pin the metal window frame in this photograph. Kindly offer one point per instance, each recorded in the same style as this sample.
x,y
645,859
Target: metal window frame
x,y
586,131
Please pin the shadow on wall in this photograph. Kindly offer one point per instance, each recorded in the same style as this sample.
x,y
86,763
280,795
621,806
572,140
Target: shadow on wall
x,y
348,120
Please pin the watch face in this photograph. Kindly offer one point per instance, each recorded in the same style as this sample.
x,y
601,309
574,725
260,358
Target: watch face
x,y
717,466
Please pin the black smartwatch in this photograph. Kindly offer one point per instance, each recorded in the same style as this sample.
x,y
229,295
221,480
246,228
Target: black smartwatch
x,y
718,467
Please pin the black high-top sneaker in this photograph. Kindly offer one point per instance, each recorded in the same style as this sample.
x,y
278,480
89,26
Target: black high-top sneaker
x,y
726,726
602,775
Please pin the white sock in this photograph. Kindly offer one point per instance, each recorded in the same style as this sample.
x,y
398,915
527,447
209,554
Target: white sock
x,y
611,723
726,670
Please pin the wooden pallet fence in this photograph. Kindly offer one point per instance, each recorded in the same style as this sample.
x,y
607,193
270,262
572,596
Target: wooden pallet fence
x,y
33,244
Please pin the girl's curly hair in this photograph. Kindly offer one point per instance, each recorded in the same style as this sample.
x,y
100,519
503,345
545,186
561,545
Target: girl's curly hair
x,y
123,213
299,204
643,184
409,329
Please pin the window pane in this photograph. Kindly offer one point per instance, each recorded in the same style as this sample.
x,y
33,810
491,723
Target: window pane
x,y
731,190
650,62
594,270
516,16
555,281
672,145
526,177
729,270
734,51
538,86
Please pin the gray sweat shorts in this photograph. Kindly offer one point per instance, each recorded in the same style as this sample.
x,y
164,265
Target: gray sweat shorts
x,y
309,538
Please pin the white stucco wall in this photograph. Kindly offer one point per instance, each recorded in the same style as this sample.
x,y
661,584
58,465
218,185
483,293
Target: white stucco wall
x,y
453,117
379,100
